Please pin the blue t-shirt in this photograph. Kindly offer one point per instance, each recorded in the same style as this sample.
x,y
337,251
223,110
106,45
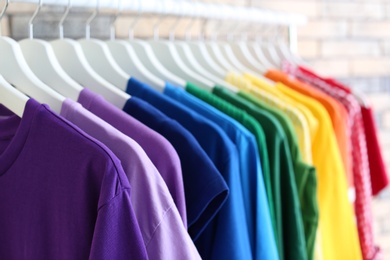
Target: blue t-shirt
x,y
227,235
250,169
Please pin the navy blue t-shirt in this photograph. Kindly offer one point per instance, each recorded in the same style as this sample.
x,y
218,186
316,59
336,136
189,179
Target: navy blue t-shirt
x,y
204,187
227,235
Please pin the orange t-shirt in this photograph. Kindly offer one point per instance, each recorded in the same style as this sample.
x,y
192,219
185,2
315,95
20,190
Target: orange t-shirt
x,y
336,111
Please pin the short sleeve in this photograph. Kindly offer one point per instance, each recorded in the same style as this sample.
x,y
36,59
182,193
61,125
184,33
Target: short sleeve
x,y
169,235
117,234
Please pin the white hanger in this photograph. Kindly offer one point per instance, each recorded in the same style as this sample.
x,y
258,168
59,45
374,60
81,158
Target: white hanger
x,y
199,49
171,59
242,52
235,61
286,50
12,98
14,69
241,61
250,52
215,47
72,59
281,53
100,58
269,50
257,52
42,61
127,59
185,52
190,58
148,57
215,52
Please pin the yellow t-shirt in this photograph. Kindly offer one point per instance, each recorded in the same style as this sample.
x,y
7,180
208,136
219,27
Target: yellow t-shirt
x,y
339,235
297,118
311,120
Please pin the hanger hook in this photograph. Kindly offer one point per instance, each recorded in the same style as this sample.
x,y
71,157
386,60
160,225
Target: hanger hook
x,y
30,23
231,31
172,30
278,30
258,37
222,16
190,24
2,13
189,27
243,32
117,14
136,20
90,19
61,23
156,26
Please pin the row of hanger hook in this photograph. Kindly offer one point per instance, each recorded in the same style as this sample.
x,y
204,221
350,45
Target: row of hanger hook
x,y
156,26
95,13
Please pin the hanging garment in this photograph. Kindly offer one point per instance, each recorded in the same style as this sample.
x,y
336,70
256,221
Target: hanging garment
x,y
199,172
158,149
249,163
284,188
240,136
336,111
305,178
360,163
228,226
335,208
56,179
378,171
158,218
307,183
305,124
216,144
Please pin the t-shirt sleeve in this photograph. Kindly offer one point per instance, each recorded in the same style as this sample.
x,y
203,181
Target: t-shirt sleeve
x,y
379,177
117,234
169,235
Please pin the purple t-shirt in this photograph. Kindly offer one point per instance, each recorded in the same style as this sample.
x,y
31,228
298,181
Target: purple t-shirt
x,y
158,149
164,234
64,195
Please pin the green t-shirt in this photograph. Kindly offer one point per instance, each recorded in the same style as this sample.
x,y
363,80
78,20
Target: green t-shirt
x,y
260,198
305,175
230,110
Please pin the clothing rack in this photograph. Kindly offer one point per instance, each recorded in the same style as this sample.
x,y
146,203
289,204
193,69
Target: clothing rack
x,y
192,9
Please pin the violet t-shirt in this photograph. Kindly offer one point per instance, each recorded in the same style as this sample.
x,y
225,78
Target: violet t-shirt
x,y
64,195
159,150
164,234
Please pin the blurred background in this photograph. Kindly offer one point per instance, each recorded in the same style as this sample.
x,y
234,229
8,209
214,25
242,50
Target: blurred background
x,y
345,39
